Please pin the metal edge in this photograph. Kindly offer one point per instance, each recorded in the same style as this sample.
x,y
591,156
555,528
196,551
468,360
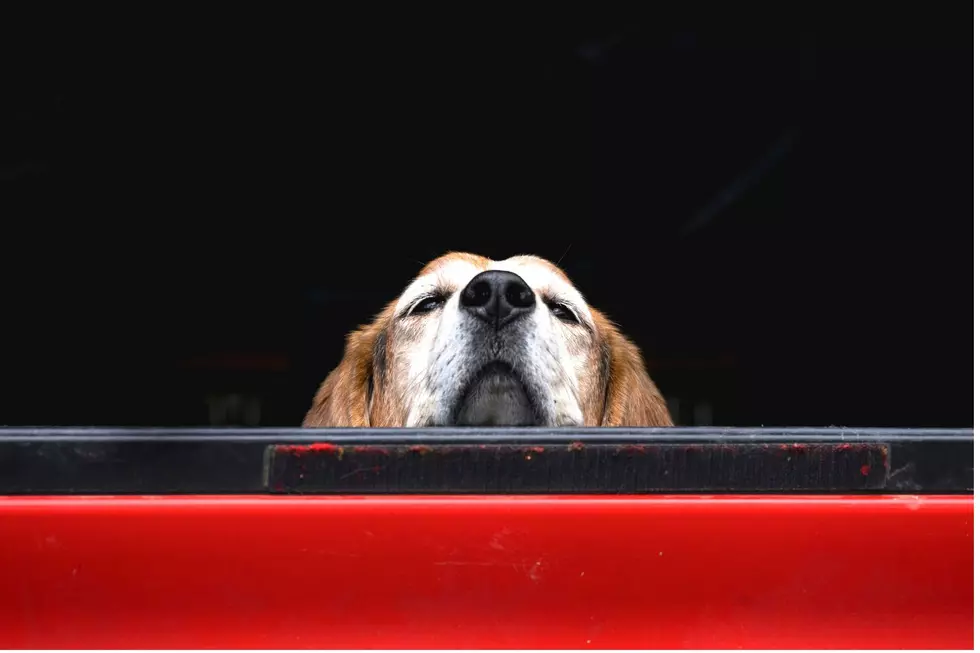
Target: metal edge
x,y
451,435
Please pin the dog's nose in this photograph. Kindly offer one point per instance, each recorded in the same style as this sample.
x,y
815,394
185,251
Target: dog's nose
x,y
497,297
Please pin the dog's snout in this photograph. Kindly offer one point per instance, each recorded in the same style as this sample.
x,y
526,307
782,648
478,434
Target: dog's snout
x,y
497,297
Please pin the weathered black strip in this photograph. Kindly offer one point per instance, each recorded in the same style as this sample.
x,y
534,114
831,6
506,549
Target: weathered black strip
x,y
258,461
577,467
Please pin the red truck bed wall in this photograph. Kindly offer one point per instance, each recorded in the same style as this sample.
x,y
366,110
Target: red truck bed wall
x,y
487,571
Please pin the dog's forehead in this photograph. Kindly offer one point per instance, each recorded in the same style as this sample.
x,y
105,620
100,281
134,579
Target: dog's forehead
x,y
463,261
454,270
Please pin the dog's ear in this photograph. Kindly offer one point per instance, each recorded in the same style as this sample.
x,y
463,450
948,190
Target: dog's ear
x,y
346,396
631,396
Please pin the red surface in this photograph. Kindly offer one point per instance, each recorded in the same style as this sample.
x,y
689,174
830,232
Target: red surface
x,y
476,572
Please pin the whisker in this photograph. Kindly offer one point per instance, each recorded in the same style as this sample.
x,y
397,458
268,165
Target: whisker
x,y
563,255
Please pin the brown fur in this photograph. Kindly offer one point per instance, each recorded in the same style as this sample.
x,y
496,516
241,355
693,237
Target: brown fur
x,y
354,393
631,397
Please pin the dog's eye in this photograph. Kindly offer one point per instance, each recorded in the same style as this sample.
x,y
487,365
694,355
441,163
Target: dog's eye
x,y
427,305
562,312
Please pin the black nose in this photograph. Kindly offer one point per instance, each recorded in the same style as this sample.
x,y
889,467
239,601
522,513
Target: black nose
x,y
497,297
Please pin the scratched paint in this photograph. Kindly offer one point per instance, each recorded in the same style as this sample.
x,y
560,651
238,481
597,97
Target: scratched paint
x,y
379,451
316,447
631,449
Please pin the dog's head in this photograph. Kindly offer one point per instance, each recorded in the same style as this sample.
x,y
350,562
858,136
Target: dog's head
x,y
476,342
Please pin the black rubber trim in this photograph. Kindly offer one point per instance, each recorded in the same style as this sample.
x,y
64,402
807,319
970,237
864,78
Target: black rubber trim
x,y
512,461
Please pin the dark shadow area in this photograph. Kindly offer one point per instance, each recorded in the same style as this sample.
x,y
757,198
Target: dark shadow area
x,y
775,207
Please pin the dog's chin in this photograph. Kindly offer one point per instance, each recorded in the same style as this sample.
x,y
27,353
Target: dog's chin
x,y
496,397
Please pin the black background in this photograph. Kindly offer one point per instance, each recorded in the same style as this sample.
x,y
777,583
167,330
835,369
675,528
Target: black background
x,y
197,203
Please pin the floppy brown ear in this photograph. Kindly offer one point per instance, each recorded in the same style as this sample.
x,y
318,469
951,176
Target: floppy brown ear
x,y
345,396
632,398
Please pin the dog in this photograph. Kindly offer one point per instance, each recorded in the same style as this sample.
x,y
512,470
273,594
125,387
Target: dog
x,y
477,342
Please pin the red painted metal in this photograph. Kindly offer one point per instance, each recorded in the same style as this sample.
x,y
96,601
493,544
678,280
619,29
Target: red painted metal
x,y
488,571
